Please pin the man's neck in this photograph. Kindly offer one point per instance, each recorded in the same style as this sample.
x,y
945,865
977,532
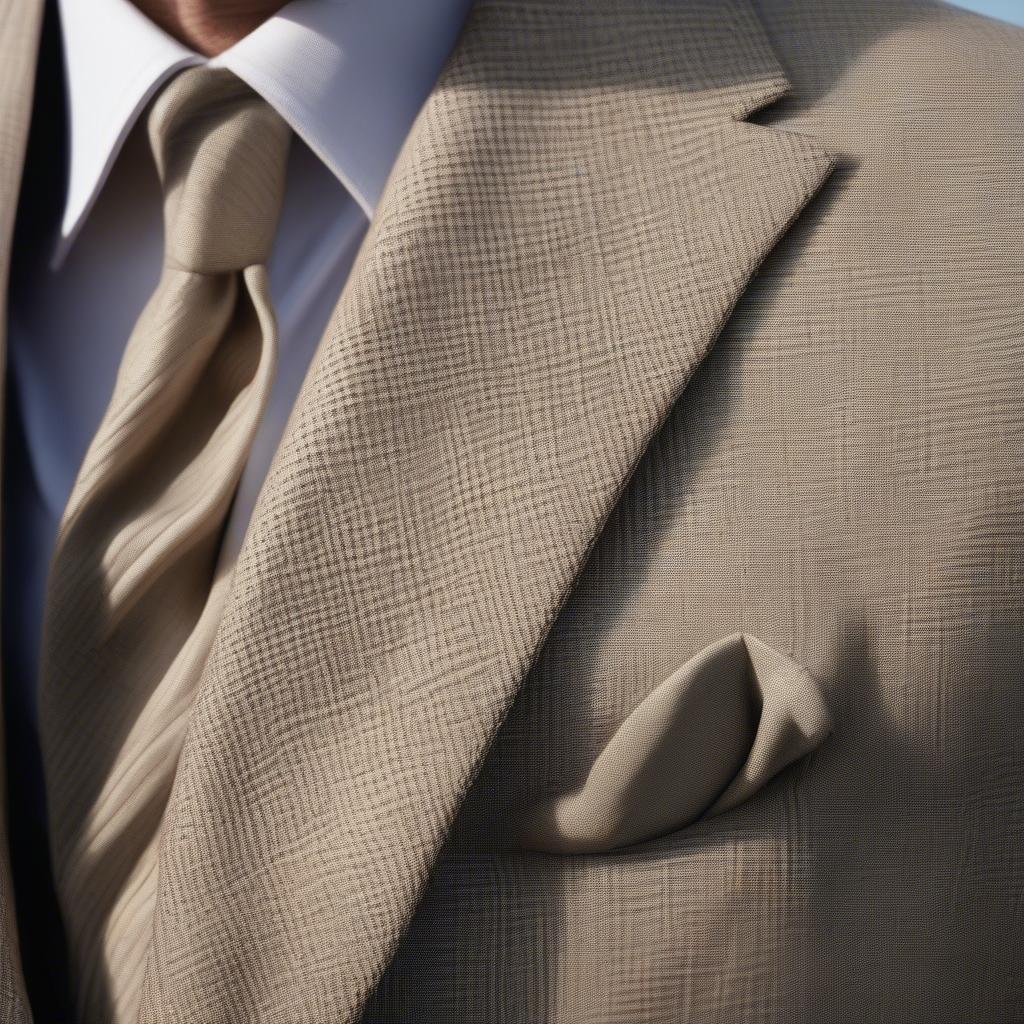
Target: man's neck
x,y
209,26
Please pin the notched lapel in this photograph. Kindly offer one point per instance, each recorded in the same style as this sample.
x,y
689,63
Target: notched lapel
x,y
577,211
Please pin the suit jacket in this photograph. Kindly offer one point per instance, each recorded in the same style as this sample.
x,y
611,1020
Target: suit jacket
x,y
667,434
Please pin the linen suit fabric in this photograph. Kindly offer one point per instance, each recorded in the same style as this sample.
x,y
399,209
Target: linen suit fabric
x,y
841,478
620,373
19,31
456,449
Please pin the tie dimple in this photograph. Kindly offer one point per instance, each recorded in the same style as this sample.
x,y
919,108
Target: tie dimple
x,y
219,151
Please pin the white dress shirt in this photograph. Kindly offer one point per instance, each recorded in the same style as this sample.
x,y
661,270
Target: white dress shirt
x,y
349,76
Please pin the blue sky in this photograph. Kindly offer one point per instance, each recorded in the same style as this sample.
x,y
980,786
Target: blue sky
x,y
1008,10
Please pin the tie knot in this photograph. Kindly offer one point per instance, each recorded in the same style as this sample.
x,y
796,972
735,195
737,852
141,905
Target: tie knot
x,y
220,152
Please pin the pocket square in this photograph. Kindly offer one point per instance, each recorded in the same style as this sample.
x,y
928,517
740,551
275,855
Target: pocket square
x,y
703,741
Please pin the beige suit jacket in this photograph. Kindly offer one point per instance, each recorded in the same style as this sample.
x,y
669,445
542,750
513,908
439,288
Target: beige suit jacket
x,y
667,434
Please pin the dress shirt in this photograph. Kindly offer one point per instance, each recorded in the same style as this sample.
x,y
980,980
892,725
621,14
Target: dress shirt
x,y
349,76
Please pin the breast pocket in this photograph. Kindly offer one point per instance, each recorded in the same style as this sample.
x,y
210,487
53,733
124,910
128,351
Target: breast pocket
x,y
702,742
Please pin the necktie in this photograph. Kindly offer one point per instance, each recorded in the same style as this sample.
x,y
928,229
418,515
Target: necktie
x,y
134,593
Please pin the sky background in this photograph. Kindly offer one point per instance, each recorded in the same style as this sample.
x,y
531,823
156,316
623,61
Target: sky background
x,y
1008,10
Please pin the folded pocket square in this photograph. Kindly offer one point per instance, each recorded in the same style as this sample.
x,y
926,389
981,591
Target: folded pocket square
x,y
703,741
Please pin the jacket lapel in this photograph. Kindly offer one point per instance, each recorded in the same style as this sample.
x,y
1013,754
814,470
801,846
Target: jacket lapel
x,y
20,22
574,216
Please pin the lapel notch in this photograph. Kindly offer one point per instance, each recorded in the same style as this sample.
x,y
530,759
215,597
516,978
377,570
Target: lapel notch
x,y
576,212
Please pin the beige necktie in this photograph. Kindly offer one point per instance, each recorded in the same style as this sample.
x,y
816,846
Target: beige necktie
x,y
134,593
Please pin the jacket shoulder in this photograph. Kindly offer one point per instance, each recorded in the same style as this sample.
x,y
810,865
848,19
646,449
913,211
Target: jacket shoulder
x,y
893,56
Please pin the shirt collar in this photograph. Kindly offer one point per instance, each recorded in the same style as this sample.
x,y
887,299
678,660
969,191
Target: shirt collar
x,y
349,76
